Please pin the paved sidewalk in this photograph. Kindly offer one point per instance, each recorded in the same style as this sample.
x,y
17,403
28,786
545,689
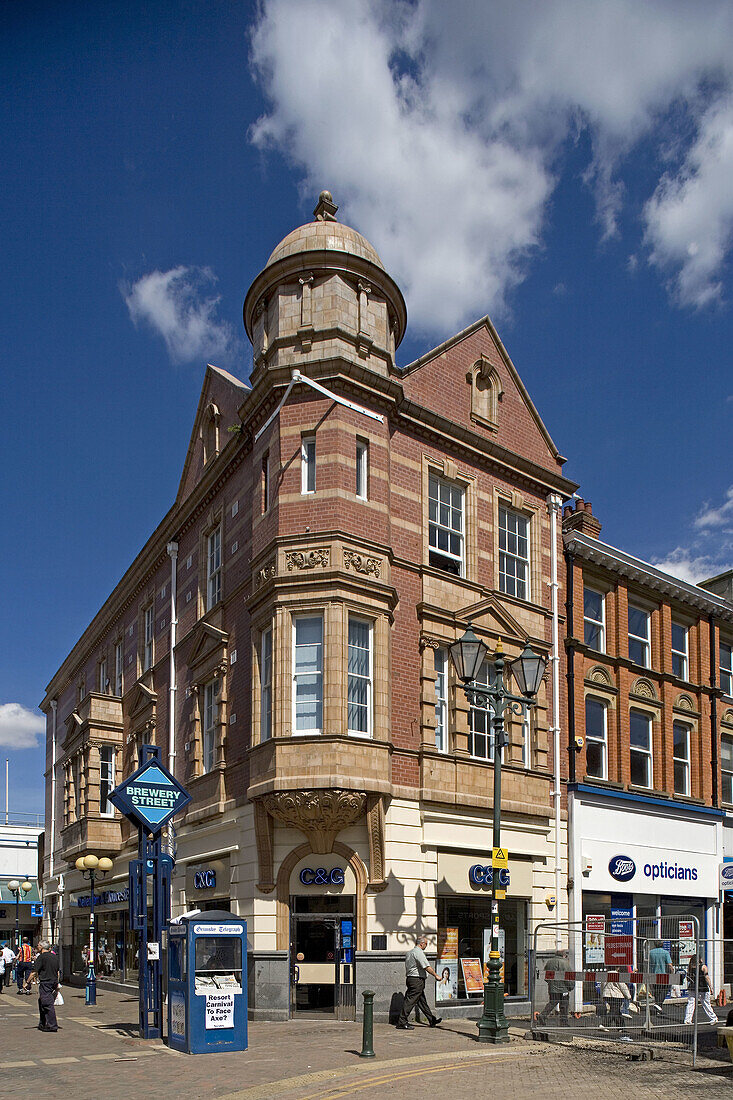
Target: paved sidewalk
x,y
97,1052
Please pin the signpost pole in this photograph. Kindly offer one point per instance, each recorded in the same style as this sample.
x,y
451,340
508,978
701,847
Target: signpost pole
x,y
149,798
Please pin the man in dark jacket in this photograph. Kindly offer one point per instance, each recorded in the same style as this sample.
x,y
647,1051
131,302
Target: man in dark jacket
x,y
557,987
46,969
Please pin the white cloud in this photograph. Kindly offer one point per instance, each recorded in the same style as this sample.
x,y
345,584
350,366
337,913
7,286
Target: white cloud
x,y
176,306
711,517
710,550
20,728
441,129
690,216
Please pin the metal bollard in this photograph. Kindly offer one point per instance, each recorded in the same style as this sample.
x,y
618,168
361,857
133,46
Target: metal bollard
x,y
367,1040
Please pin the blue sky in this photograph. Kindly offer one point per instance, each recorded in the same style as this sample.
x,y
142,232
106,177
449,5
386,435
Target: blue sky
x,y
565,168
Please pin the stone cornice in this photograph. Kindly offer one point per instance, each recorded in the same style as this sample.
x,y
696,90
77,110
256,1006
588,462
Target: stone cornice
x,y
624,565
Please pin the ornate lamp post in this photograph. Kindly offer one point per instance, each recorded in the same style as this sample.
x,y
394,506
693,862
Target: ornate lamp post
x,y
17,888
91,868
468,654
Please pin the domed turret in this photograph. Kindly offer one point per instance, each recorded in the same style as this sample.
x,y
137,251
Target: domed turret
x,y
324,293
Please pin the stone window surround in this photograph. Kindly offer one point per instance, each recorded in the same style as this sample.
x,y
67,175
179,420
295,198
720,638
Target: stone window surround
x,y
214,519
514,501
196,737
448,470
457,713
336,612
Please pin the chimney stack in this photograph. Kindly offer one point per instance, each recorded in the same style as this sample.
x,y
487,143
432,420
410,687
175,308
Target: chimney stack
x,y
580,518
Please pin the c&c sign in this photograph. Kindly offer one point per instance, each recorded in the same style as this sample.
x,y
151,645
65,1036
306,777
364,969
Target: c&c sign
x,y
321,876
204,880
480,875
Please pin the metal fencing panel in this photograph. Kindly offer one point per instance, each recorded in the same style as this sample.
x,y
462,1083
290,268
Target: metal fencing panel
x,y
626,980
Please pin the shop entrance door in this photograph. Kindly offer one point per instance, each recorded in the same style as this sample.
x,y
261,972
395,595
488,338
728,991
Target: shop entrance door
x,y
314,969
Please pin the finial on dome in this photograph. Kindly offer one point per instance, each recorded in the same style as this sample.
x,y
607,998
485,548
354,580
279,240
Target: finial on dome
x,y
326,208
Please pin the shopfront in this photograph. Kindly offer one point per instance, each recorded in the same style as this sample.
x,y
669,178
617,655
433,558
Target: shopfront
x,y
208,884
640,868
464,923
323,928
116,946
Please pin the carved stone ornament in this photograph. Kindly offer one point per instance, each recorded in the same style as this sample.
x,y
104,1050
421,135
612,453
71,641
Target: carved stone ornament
x,y
643,688
727,718
684,702
360,563
266,573
306,559
429,643
320,814
600,675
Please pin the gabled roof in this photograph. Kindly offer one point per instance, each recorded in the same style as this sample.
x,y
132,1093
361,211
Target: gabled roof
x,y
218,385
459,337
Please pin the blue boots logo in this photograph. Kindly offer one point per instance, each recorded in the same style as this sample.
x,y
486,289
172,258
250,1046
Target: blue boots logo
x,y
622,868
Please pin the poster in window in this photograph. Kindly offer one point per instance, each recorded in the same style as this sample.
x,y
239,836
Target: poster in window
x,y
446,987
487,952
595,926
447,943
687,942
473,977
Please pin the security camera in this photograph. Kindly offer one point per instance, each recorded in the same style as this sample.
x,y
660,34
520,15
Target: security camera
x,y
579,742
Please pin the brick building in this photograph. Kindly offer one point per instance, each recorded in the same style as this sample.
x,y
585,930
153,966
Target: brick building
x,y
283,637
650,738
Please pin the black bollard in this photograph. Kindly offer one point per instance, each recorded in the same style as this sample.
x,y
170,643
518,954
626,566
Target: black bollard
x,y
367,1040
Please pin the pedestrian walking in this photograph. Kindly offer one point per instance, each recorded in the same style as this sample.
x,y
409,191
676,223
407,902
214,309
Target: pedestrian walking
x,y
23,965
46,973
416,968
8,958
660,962
617,998
558,988
704,990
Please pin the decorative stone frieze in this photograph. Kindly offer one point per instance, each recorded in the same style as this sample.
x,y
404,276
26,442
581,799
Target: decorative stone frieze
x,y
360,563
266,573
307,559
320,814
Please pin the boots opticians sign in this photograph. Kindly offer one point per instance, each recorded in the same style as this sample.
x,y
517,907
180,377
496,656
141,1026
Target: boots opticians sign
x,y
623,869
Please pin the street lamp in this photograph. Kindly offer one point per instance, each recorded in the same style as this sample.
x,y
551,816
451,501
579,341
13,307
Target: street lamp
x,y
91,867
18,888
468,655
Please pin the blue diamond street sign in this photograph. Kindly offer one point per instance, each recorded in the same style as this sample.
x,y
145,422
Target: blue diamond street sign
x,y
150,796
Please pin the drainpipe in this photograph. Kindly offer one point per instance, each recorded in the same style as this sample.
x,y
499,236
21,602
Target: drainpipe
x,y
713,712
173,555
554,505
172,686
54,706
570,630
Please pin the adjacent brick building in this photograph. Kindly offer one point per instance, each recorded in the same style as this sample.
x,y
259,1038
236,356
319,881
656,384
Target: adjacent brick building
x,y
650,738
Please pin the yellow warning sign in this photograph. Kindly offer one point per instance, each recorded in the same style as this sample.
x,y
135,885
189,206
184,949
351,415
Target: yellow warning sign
x,y
500,857
500,895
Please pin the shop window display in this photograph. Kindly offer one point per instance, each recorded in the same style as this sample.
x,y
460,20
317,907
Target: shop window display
x,y
471,916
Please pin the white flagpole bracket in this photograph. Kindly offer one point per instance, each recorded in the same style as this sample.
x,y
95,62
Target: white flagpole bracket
x,y
296,377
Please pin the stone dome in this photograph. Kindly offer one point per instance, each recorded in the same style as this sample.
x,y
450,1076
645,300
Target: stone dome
x,y
334,236
324,278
